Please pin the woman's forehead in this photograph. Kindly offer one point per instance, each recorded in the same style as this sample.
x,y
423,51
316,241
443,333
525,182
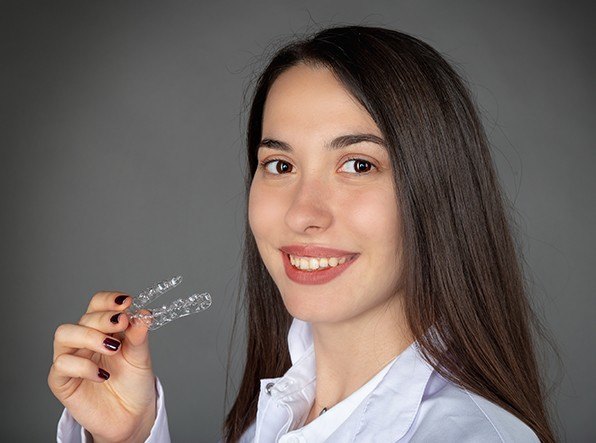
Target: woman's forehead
x,y
311,99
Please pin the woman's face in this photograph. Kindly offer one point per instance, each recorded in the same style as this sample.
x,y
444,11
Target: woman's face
x,y
305,193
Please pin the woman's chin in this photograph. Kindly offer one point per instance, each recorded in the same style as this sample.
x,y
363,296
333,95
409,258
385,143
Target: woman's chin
x,y
315,312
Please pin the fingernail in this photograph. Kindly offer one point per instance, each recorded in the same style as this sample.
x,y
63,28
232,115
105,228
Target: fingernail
x,y
114,318
103,374
120,299
111,344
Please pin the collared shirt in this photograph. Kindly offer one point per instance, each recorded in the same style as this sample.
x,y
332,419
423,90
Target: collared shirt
x,y
407,401
284,402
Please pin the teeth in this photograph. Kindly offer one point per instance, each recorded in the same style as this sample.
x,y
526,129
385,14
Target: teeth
x,y
312,263
304,263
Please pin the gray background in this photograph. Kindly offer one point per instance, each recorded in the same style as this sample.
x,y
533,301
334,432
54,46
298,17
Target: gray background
x,y
121,164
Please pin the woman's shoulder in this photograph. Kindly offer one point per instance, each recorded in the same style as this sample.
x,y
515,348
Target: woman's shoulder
x,y
449,412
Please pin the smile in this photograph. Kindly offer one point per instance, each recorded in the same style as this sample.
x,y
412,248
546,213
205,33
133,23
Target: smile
x,y
313,270
314,263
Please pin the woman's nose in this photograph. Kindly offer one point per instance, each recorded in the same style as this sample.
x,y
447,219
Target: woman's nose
x,y
310,208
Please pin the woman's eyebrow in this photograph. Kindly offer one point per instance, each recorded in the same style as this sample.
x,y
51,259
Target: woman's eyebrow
x,y
337,143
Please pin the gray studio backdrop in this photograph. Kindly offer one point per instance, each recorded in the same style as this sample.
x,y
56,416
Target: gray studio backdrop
x,y
121,154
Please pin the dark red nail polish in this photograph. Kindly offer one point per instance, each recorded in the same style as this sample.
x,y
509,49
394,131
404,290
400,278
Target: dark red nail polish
x,y
120,299
103,374
114,318
111,344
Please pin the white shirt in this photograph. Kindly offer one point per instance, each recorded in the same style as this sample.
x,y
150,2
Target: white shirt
x,y
284,402
407,401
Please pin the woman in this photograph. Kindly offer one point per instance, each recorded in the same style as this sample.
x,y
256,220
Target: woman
x,y
385,299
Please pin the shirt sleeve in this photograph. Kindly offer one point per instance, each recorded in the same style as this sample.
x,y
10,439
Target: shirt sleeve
x,y
69,431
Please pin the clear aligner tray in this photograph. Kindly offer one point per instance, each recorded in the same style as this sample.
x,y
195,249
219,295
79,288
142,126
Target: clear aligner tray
x,y
164,315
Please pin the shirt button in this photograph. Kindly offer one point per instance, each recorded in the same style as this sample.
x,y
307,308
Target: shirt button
x,y
268,387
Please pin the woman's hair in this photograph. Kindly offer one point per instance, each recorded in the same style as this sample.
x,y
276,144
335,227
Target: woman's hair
x,y
465,297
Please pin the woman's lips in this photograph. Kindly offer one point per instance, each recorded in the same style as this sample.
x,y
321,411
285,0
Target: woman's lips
x,y
319,276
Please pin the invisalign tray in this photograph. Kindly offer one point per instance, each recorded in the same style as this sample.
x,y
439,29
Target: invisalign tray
x,y
161,316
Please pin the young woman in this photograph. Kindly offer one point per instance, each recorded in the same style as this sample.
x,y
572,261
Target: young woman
x,y
385,300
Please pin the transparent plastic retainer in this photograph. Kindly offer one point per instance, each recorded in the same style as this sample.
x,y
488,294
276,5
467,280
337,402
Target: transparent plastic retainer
x,y
164,315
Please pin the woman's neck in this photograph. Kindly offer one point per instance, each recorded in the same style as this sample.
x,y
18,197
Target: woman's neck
x,y
350,353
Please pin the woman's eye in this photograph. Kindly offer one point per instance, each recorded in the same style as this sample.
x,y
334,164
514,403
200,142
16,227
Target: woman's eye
x,y
359,165
276,166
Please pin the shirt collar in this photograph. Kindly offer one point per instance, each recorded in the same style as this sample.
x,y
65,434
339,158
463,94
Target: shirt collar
x,y
299,339
400,391
302,373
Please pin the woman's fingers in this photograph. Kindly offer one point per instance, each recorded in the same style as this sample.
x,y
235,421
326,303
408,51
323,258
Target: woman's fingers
x,y
72,366
70,338
94,334
109,322
109,301
68,366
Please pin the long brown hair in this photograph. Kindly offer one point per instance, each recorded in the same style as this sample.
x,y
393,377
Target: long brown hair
x,y
466,300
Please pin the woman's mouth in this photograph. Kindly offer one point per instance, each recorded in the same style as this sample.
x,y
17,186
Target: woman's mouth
x,y
314,263
315,270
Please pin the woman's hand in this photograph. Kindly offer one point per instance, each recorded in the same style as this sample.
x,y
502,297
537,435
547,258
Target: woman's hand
x,y
121,408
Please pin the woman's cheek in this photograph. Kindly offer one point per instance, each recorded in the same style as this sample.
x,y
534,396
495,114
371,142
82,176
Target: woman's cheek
x,y
368,211
263,211
254,209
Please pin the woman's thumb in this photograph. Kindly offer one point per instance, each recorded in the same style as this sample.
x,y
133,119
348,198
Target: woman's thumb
x,y
136,343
